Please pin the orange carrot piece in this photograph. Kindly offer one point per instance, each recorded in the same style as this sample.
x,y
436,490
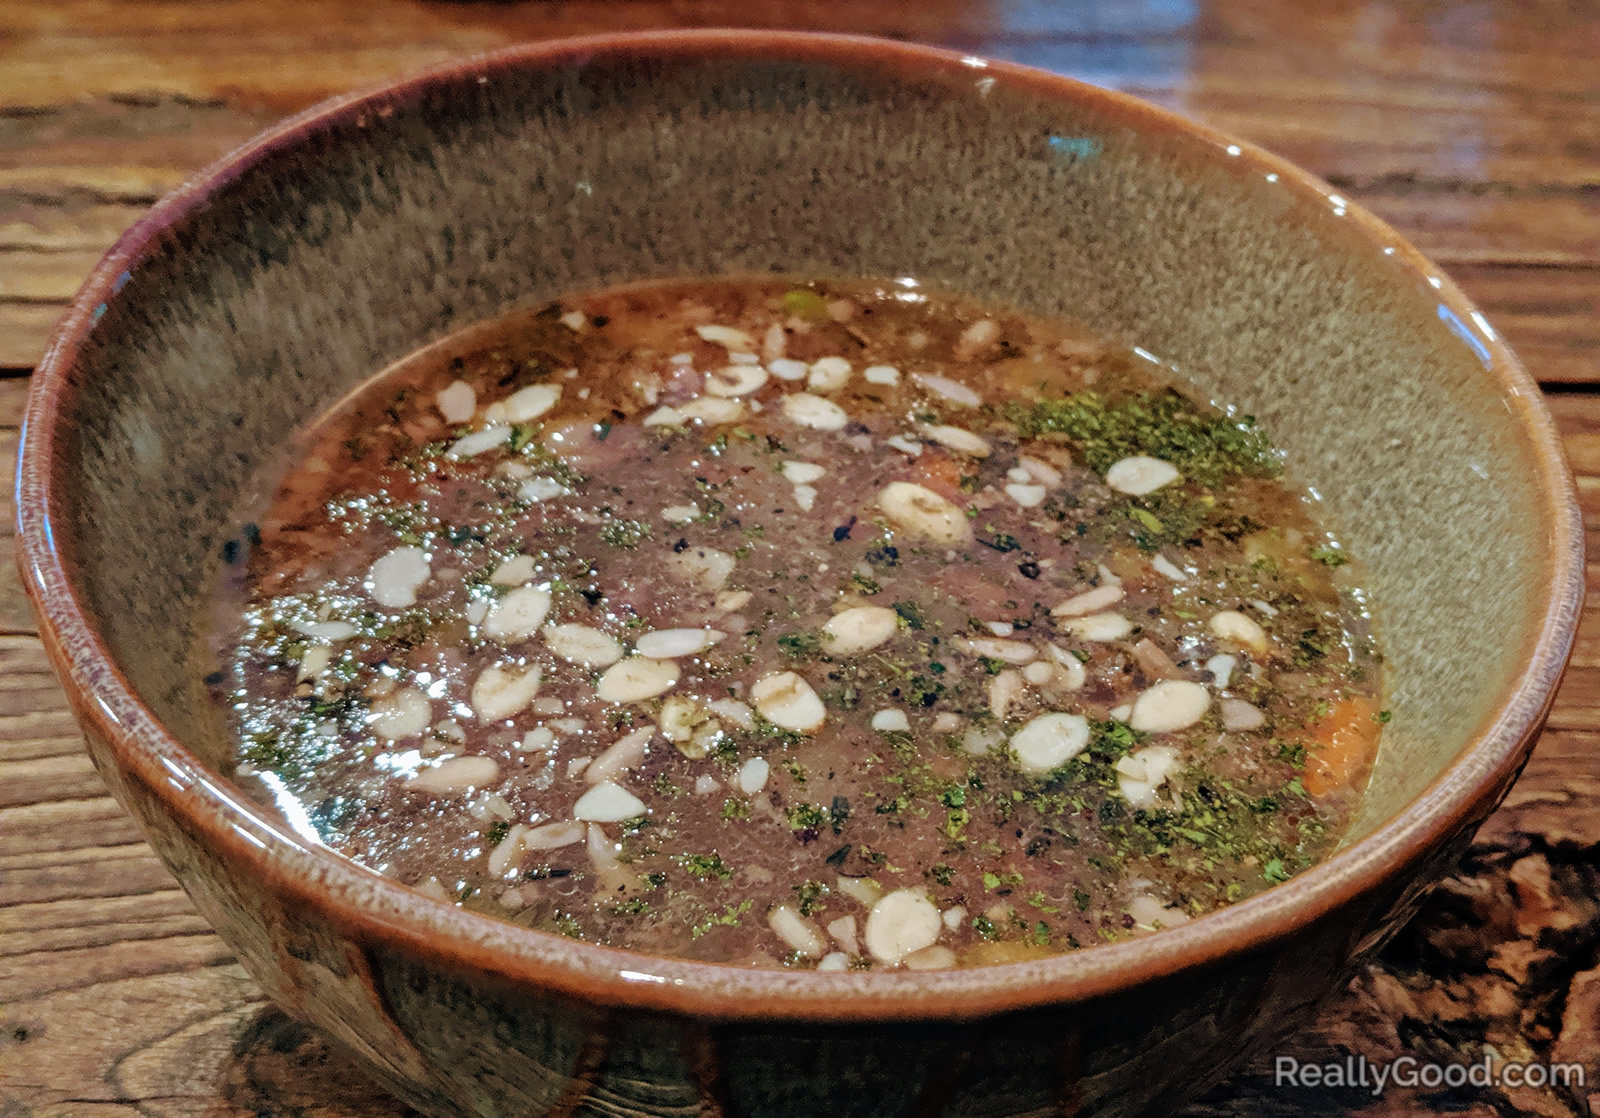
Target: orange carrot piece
x,y
1340,745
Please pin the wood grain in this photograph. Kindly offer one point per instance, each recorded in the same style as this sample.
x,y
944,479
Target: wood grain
x,y
1474,129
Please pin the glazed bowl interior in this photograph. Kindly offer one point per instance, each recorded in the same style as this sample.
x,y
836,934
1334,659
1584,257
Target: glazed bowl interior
x,y
353,236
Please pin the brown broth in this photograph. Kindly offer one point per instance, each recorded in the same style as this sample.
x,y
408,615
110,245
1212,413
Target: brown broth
x,y
894,663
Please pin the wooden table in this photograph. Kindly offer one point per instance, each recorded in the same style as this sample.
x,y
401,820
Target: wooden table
x,y
1473,127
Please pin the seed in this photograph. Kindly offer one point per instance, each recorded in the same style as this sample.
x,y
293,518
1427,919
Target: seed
x,y
1140,474
582,645
330,631
665,644
1172,704
402,713
500,692
707,567
900,923
680,514
479,441
806,497
518,615
1100,627
607,802
807,410
859,629
786,368
881,374
1049,741
395,578
922,512
456,774
636,679
798,932
456,401
787,701
735,380
1231,625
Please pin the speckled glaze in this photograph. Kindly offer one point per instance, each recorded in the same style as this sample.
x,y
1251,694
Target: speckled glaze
x,y
364,228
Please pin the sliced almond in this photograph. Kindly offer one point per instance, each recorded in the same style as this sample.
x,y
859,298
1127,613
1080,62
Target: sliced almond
x,y
900,923
806,410
958,439
828,374
1027,496
786,700
1141,774
706,567
1050,741
515,571
1231,625
735,380
636,679
947,389
456,401
499,692
859,629
800,934
728,337
583,645
921,512
786,368
477,442
713,410
402,713
996,648
666,644
1100,627
518,615
553,836
607,802
456,774
883,375
527,404
802,473
395,578
626,752
1172,704
1140,474
752,775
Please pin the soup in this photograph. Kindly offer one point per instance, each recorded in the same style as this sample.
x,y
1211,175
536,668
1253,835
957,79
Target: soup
x,y
830,625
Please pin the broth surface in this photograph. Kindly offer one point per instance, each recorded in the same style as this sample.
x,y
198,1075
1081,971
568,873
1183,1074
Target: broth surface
x,y
809,624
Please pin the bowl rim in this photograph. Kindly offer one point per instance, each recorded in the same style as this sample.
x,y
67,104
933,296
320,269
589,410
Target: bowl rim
x,y
379,910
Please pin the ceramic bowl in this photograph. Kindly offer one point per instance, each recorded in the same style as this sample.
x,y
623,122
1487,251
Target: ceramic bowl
x,y
374,223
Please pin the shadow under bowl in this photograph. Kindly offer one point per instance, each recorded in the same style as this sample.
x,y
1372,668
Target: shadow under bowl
x,y
367,227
